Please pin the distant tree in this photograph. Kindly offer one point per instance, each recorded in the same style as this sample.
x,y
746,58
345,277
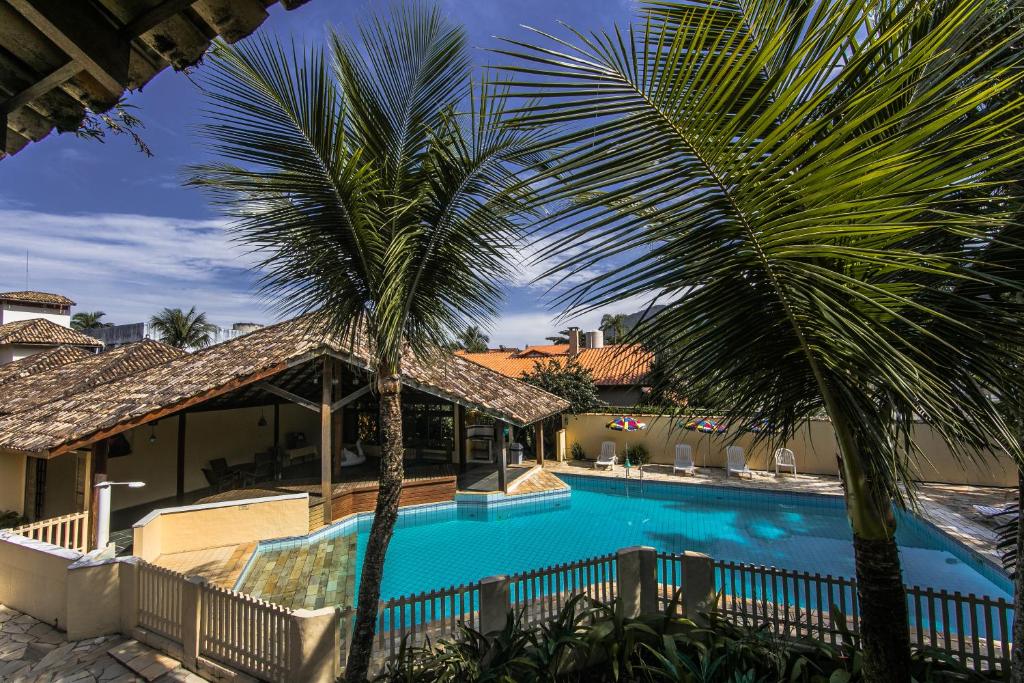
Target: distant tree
x,y
561,338
183,330
88,320
568,380
614,327
473,340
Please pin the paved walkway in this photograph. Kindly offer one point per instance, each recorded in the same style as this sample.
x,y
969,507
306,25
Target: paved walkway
x,y
34,652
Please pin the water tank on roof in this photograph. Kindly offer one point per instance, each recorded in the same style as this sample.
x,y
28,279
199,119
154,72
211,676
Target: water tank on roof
x,y
595,339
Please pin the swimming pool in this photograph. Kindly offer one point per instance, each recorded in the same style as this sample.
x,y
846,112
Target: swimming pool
x,y
441,545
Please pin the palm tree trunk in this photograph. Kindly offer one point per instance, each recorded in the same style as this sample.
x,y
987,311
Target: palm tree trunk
x,y
385,515
1017,661
884,622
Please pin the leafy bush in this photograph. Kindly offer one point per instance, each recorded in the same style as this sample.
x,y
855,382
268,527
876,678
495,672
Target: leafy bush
x,y
638,454
10,518
576,450
591,641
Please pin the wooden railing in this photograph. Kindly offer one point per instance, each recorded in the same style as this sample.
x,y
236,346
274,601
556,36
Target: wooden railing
x,y
540,594
244,632
975,630
159,600
67,531
433,615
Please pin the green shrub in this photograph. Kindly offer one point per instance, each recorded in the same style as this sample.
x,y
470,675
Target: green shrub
x,y
577,451
591,641
638,454
10,518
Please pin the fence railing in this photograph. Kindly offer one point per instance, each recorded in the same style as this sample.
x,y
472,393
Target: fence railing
x,y
540,594
160,600
975,630
249,634
415,619
67,531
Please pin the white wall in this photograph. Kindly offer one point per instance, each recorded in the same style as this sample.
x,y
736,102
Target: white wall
x,y
10,312
12,483
9,354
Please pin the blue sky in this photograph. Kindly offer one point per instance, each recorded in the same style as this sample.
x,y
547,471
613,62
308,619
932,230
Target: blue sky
x,y
115,231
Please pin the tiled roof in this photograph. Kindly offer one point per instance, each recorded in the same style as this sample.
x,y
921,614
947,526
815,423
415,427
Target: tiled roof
x,y
41,362
83,374
221,368
40,331
30,297
612,365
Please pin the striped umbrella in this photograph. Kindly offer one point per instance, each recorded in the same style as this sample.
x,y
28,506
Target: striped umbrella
x,y
706,426
626,424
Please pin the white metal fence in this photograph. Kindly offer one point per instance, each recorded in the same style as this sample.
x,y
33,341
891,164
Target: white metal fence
x,y
67,531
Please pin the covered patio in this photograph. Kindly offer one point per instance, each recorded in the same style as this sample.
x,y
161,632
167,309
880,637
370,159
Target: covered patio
x,y
284,408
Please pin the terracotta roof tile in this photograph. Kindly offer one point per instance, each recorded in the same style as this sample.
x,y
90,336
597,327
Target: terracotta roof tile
x,y
32,297
40,331
249,358
612,365
40,362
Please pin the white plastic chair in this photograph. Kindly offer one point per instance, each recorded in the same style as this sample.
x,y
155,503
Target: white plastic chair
x,y
350,459
736,462
607,457
784,458
684,460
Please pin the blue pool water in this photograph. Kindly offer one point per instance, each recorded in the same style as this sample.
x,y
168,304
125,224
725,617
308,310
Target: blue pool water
x,y
447,545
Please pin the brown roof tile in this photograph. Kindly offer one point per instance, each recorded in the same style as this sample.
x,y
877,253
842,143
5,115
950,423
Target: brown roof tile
x,y
612,365
244,360
31,297
41,362
40,331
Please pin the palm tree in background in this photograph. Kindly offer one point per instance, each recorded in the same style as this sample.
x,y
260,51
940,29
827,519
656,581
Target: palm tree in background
x,y
88,320
473,340
374,203
809,184
614,327
183,330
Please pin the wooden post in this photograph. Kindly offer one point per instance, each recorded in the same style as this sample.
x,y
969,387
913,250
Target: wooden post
x,y
338,426
180,487
100,450
502,459
326,488
277,427
538,442
459,436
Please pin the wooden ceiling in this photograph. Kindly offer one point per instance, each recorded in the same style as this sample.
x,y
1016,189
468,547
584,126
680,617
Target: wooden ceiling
x,y
61,57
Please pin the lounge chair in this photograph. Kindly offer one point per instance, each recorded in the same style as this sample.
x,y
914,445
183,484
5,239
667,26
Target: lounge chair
x,y
350,459
784,458
607,457
736,462
684,460
989,511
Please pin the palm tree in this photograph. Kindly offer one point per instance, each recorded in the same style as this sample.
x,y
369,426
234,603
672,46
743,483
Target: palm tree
x,y
802,181
614,326
88,320
473,340
372,202
183,330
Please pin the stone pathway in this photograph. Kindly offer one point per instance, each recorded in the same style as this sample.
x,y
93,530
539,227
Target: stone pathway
x,y
34,652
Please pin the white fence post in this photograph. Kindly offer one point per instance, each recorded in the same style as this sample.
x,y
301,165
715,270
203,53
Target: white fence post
x,y
191,616
128,577
698,583
638,579
494,603
313,655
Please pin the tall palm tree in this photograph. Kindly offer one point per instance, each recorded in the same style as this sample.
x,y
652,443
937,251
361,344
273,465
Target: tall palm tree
x,y
614,326
373,201
801,179
473,340
183,330
88,320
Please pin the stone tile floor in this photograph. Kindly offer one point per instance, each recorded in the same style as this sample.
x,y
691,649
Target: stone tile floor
x,y
309,576
34,652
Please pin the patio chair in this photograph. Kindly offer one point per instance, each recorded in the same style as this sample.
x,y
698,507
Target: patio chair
x,y
784,458
350,459
736,462
264,465
990,511
607,456
684,460
220,477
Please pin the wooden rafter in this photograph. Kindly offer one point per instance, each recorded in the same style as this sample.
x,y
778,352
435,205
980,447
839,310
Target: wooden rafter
x,y
344,401
289,396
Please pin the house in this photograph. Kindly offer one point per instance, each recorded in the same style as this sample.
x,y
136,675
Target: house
x,y
27,305
34,322
130,333
289,389
619,370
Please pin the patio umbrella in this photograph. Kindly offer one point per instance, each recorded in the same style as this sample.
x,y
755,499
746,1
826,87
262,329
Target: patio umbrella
x,y
706,426
626,424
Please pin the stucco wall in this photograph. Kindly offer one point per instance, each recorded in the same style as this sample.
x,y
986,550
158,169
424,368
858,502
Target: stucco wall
x,y
33,578
194,527
814,446
61,478
12,483
9,312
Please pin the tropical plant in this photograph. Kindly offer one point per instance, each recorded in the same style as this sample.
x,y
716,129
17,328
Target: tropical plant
x,y
183,330
472,340
90,320
373,205
567,379
576,451
808,185
637,454
10,518
614,327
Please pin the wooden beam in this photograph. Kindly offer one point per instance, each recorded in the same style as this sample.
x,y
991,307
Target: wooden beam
x,y
342,402
41,87
100,451
459,436
180,472
149,19
85,35
499,430
326,488
538,442
289,396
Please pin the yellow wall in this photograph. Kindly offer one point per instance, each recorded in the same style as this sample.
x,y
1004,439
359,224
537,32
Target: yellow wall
x,y
194,527
61,478
12,483
814,446
230,434
33,578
